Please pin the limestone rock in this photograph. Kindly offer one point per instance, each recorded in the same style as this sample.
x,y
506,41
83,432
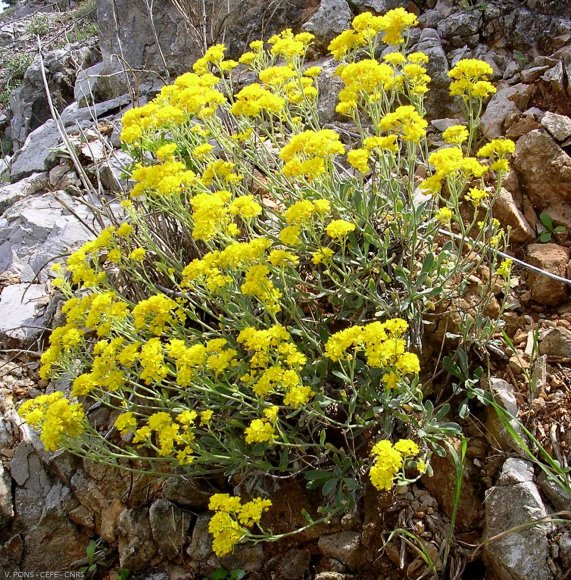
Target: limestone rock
x,y
515,501
332,18
188,493
343,546
329,86
559,126
554,259
247,557
559,497
378,6
438,101
497,434
12,192
556,343
136,545
292,565
506,102
6,503
169,526
22,313
36,230
461,28
29,103
544,169
509,214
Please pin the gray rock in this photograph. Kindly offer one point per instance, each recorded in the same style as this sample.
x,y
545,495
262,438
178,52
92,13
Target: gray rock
x,y
39,151
33,485
30,108
136,546
329,86
509,214
6,502
200,547
461,28
555,343
555,78
515,501
438,101
112,172
554,259
332,18
559,497
37,230
169,525
22,316
506,102
186,492
516,471
565,550
343,546
378,6
530,75
559,126
55,543
544,169
12,192
292,565
247,557
496,433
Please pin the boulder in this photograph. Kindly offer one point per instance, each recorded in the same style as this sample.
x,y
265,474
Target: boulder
x,y
515,501
332,18
6,502
461,28
509,214
343,546
38,230
558,126
543,168
496,433
22,314
169,526
555,343
438,101
163,39
29,103
554,259
12,192
508,101
136,546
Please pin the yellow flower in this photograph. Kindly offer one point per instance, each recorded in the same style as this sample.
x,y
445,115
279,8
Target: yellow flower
x,y
455,134
322,255
339,229
259,431
358,159
444,215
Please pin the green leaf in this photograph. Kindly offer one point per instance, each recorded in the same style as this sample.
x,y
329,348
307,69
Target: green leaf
x,y
546,220
560,230
317,475
545,237
451,367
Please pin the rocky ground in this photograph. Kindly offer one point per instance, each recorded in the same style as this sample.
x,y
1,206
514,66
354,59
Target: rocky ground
x,y
59,513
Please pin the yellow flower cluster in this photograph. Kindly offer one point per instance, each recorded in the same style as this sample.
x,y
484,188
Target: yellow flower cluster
x,y
389,460
406,122
228,524
307,152
471,79
394,25
275,363
169,437
451,163
497,151
383,345
55,416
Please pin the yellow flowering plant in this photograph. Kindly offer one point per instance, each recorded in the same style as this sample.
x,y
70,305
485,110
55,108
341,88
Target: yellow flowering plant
x,y
257,309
